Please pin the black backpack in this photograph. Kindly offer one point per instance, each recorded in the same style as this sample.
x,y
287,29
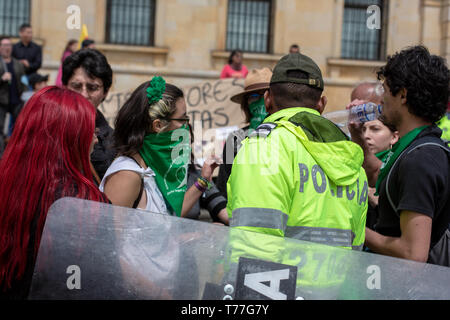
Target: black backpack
x,y
440,253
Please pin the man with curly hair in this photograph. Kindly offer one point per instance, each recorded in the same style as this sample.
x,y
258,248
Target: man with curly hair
x,y
412,179
444,124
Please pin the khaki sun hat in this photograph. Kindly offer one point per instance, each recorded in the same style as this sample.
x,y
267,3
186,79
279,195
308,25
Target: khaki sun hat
x,y
257,79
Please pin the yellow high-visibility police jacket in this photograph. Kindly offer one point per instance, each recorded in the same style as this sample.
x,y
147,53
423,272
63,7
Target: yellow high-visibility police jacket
x,y
298,176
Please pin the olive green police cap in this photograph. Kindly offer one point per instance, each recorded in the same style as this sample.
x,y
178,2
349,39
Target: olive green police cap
x,y
300,62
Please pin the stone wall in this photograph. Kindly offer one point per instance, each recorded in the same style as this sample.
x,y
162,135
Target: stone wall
x,y
190,39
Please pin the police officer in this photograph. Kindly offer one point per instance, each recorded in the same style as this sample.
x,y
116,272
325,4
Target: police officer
x,y
298,175
444,125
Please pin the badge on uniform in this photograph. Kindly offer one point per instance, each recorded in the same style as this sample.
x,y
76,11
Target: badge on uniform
x,y
263,130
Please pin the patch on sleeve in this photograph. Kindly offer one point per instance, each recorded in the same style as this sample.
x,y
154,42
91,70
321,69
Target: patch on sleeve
x,y
263,130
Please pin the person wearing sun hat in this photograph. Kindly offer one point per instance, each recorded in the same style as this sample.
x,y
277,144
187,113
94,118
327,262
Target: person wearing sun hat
x,y
251,100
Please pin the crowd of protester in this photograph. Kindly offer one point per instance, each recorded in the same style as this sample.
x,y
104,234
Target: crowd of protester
x,y
62,146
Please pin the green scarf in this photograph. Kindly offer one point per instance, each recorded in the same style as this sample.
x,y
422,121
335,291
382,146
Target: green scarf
x,y
389,157
168,155
257,113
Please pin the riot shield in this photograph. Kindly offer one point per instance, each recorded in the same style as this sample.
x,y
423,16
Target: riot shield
x,y
91,250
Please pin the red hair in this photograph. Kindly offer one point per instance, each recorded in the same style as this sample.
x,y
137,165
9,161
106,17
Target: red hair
x,y
47,158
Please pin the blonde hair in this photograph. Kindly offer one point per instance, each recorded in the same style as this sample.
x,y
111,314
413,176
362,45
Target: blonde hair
x,y
165,107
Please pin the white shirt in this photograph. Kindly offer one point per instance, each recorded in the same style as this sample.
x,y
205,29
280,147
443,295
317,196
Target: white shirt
x,y
155,200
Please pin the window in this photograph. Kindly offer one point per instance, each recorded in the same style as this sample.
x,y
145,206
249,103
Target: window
x,y
359,41
249,25
130,22
13,13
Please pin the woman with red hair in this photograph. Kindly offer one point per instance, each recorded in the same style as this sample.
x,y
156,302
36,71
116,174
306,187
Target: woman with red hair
x,y
46,159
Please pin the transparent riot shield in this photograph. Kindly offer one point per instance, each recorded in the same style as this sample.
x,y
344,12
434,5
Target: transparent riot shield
x,y
91,250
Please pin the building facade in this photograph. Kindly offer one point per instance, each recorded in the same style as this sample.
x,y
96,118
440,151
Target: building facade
x,y
189,41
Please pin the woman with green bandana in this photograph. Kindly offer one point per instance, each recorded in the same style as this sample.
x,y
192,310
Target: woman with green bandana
x,y
413,178
152,139
252,104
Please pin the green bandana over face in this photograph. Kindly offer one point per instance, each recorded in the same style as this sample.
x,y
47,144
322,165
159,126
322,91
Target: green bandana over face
x,y
257,113
168,155
388,157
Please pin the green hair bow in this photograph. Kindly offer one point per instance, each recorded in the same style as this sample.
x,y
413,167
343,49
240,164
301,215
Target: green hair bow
x,y
156,89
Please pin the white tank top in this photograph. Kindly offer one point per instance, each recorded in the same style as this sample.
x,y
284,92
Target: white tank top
x,y
155,200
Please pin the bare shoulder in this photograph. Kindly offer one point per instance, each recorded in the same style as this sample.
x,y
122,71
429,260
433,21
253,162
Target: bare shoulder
x,y
124,178
123,188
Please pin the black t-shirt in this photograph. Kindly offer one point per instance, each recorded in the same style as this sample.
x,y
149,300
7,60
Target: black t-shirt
x,y
419,182
104,152
32,53
14,98
372,216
